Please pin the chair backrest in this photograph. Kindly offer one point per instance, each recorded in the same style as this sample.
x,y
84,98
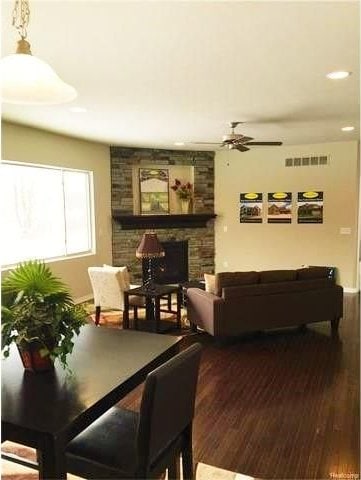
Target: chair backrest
x,y
108,284
167,406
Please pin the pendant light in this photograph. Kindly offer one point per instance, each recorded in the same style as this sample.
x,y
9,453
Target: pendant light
x,y
25,79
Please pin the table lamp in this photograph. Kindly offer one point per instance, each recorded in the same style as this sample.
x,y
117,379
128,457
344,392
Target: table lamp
x,y
150,248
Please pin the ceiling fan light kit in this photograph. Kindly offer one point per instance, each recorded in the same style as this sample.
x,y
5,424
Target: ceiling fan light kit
x,y
28,80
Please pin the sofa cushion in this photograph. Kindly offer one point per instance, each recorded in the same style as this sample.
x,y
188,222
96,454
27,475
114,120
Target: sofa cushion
x,y
231,279
312,272
210,283
273,276
234,293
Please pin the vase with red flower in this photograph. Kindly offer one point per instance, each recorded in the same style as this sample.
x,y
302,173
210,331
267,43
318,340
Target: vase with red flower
x,y
184,192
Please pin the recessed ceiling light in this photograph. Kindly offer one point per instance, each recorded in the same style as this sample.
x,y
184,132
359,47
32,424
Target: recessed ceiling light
x,y
347,129
179,144
338,75
77,109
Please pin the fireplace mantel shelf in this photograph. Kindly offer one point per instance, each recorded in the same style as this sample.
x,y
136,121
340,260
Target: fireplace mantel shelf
x,y
132,222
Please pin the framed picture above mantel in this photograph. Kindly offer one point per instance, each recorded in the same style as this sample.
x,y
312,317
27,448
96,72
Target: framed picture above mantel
x,y
154,191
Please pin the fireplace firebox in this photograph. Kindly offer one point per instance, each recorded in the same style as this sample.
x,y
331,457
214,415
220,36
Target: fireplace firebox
x,y
173,267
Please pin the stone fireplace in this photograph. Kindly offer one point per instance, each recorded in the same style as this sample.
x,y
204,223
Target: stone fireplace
x,y
195,230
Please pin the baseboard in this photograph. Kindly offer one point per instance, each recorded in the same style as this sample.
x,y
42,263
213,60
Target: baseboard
x,y
83,299
350,290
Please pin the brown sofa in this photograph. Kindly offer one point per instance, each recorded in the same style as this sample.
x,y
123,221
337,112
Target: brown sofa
x,y
250,301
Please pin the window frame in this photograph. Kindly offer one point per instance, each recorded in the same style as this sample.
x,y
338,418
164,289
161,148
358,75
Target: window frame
x,y
91,212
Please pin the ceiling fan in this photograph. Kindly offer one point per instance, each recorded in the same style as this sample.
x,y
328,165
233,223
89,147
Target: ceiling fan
x,y
237,141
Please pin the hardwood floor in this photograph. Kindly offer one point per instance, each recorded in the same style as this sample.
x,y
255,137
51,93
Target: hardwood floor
x,y
281,405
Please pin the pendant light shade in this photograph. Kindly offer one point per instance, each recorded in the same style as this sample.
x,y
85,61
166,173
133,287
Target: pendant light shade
x,y
25,79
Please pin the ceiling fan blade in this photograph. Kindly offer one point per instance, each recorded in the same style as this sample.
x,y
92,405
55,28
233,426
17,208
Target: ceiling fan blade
x,y
204,143
264,143
240,148
242,139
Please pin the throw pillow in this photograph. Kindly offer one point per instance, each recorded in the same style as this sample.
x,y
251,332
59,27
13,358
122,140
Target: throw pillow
x,y
313,272
235,279
273,276
210,283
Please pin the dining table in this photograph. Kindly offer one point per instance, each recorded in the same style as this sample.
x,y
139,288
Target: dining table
x,y
46,410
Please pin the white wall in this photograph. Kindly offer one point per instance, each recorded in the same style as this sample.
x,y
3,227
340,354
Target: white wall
x,y
273,246
24,144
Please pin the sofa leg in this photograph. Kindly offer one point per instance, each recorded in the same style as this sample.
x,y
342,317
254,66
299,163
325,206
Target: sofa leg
x,y
334,324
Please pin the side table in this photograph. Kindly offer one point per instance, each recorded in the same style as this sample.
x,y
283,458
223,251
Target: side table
x,y
183,287
152,304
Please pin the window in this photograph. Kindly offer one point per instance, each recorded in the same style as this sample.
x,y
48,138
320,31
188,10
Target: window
x,y
46,212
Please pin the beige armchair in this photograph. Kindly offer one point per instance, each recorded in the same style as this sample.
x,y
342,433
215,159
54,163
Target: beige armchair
x,y
109,284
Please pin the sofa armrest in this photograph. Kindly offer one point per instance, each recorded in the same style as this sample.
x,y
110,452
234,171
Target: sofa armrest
x,y
205,310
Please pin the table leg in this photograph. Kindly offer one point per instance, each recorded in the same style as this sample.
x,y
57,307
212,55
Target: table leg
x,y
157,313
179,305
183,293
169,301
126,311
51,459
149,310
135,309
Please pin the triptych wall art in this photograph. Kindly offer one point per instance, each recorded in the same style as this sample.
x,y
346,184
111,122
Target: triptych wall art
x,y
279,208
251,207
309,207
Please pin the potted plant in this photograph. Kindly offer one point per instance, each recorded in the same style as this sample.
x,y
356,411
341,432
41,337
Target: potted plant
x,y
39,315
184,193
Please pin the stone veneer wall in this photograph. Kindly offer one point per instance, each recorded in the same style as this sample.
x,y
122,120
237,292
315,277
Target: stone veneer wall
x,y
200,240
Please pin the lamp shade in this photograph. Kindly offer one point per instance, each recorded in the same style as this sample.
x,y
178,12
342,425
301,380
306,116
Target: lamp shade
x,y
28,80
150,247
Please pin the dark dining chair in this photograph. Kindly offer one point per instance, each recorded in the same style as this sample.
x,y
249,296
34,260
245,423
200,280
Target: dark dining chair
x,y
125,444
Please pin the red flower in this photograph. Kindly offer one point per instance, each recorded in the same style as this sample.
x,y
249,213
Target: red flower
x,y
184,190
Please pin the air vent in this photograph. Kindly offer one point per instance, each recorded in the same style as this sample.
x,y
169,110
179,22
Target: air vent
x,y
307,161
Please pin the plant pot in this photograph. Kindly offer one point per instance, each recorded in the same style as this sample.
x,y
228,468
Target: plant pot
x,y
184,203
31,358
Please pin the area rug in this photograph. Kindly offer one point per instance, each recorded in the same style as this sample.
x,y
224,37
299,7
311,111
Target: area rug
x,y
13,471
114,318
